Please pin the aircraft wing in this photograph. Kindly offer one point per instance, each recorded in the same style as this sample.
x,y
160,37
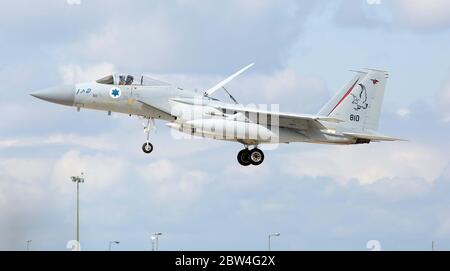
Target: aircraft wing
x,y
288,120
155,111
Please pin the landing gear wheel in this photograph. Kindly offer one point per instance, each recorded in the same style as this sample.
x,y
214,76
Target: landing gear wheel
x,y
148,127
243,157
256,156
147,147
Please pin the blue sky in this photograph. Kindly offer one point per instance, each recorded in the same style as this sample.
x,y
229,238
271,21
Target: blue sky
x,y
193,190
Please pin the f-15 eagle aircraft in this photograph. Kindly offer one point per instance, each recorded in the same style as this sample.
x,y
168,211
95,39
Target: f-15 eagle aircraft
x,y
350,117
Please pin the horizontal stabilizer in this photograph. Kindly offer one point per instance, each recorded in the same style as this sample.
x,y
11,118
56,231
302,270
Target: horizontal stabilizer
x,y
375,137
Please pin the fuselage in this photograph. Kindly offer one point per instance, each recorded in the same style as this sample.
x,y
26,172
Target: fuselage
x,y
351,117
196,118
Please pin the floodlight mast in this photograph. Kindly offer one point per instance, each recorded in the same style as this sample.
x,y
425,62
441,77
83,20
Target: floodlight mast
x,y
78,180
111,243
155,240
276,234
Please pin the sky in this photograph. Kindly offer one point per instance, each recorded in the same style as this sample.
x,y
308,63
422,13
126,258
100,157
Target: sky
x,y
319,197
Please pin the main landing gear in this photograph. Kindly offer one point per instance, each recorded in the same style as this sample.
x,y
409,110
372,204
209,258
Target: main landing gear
x,y
248,157
148,127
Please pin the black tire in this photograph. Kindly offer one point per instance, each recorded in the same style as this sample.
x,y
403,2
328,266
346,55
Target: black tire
x,y
256,157
243,157
147,147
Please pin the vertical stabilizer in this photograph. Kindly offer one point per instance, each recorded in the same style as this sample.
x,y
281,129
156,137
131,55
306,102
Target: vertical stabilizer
x,y
359,103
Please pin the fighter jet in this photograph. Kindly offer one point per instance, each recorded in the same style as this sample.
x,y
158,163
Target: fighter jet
x,y
350,117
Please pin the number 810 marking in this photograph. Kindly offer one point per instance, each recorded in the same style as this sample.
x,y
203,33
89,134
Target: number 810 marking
x,y
354,117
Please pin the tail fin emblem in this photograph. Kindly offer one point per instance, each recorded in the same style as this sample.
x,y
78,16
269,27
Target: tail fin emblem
x,y
360,101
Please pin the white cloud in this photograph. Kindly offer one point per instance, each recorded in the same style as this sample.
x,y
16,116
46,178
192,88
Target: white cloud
x,y
446,173
408,14
237,177
24,176
356,13
98,142
374,2
293,91
423,14
169,182
101,171
396,189
249,207
199,37
443,101
443,228
74,2
72,73
403,112
22,181
369,163
24,170
107,43
159,171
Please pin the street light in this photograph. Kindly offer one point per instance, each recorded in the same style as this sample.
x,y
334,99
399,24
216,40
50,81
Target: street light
x,y
112,242
153,242
276,234
28,244
78,180
155,239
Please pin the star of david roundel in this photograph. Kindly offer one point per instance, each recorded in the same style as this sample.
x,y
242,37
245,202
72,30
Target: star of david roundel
x,y
115,93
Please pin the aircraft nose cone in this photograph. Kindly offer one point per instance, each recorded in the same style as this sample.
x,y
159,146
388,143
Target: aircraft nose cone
x,y
64,95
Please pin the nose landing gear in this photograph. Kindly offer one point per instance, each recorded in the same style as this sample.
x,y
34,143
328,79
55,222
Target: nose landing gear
x,y
147,147
148,127
248,157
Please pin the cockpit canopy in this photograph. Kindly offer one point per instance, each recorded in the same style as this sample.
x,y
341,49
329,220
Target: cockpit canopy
x,y
127,79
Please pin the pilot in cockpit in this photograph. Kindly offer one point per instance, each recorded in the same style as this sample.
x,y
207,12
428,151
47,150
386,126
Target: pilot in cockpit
x,y
125,80
121,79
129,80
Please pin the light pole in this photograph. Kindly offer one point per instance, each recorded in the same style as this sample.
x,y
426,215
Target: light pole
x,y
153,242
28,244
112,242
155,239
78,180
276,234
